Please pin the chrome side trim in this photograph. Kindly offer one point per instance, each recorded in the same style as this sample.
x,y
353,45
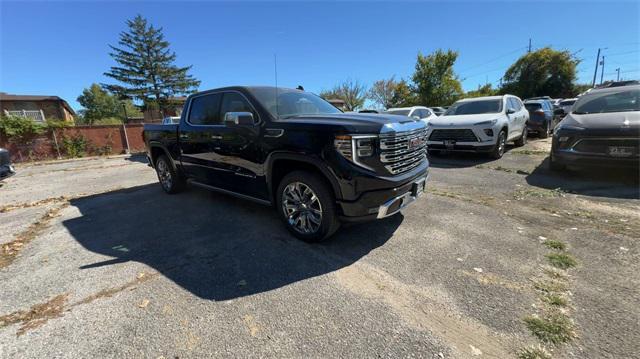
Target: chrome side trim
x,y
273,132
235,194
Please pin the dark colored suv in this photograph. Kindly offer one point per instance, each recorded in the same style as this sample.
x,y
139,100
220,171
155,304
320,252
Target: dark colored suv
x,y
541,117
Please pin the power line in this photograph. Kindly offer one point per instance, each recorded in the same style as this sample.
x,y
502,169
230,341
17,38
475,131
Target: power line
x,y
494,59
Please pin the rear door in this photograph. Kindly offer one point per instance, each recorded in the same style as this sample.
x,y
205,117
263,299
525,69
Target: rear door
x,y
199,134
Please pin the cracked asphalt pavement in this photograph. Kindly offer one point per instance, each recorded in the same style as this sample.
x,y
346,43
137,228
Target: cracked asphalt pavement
x,y
98,262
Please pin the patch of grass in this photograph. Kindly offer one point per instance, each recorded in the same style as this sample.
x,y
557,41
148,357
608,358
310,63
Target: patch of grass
x,y
554,327
539,193
549,286
555,300
554,273
532,352
553,244
561,260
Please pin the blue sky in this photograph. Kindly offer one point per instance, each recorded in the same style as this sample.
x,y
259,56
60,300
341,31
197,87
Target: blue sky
x,y
59,48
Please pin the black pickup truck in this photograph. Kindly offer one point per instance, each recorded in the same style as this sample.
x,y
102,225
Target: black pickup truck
x,y
291,149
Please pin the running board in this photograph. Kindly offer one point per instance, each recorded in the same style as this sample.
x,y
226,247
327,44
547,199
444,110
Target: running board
x,y
235,194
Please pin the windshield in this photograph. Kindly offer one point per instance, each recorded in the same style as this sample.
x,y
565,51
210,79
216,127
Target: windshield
x,y
292,103
474,107
398,112
622,101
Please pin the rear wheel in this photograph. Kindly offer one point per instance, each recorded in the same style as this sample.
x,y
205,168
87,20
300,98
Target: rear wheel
x,y
523,138
500,146
307,206
170,180
544,133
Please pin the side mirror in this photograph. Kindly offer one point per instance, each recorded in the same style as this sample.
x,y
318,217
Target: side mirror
x,y
239,119
510,110
415,117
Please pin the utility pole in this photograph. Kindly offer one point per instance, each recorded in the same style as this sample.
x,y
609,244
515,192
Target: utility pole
x,y
618,71
595,73
529,45
602,70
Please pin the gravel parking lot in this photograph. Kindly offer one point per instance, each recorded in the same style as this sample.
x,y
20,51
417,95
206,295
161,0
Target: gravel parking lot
x,y
97,261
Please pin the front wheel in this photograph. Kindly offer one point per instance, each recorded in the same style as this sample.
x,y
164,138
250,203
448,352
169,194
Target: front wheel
x,y
307,206
501,144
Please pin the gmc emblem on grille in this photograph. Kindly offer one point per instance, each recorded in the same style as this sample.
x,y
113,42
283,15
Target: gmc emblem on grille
x,y
415,143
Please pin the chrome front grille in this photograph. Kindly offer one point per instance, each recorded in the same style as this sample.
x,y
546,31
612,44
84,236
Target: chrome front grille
x,y
403,151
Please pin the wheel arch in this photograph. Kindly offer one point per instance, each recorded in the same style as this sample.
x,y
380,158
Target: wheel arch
x,y
279,164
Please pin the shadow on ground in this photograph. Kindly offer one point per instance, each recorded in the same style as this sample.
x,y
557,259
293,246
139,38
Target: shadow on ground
x,y
140,157
215,246
596,182
460,159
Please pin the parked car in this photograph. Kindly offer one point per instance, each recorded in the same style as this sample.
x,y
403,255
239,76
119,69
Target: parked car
x,y
317,165
438,110
541,117
416,112
171,120
565,106
603,129
6,169
482,124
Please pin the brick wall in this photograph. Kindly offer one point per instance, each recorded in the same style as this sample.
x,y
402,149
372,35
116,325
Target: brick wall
x,y
101,140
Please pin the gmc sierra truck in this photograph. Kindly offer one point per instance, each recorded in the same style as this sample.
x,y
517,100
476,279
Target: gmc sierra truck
x,y
292,149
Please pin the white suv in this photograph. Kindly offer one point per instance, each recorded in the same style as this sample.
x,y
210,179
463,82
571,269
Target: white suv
x,y
481,124
418,112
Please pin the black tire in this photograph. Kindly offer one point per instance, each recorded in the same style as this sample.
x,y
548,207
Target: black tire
x,y
501,145
522,140
307,209
170,181
544,133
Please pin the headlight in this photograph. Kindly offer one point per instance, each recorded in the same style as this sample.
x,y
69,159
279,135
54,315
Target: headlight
x,y
355,147
490,122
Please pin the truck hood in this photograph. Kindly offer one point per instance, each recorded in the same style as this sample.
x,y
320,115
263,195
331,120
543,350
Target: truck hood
x,y
604,120
465,120
357,122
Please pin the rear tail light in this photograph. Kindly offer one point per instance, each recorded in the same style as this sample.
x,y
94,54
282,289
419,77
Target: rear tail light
x,y
538,112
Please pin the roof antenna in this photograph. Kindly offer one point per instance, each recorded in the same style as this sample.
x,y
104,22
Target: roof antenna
x,y
275,70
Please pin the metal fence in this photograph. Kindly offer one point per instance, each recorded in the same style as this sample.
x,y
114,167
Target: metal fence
x,y
37,116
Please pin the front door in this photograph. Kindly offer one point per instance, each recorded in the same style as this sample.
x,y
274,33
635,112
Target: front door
x,y
239,152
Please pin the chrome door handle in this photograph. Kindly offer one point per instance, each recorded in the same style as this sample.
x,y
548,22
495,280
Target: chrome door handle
x,y
184,136
216,137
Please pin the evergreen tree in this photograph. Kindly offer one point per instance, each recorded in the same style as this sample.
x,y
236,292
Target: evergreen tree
x,y
146,69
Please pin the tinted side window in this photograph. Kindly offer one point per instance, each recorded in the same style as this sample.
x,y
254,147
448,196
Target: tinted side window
x,y
516,104
427,113
235,102
205,110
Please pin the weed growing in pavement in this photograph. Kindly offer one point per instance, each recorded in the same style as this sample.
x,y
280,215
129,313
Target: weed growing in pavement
x,y
529,152
553,244
532,352
561,260
554,327
539,193
554,273
549,286
555,300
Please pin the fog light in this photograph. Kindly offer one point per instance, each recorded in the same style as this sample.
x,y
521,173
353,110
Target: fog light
x,y
563,139
488,132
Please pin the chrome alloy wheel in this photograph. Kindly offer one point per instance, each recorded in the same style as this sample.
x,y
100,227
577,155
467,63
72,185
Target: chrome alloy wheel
x,y
302,208
164,175
502,143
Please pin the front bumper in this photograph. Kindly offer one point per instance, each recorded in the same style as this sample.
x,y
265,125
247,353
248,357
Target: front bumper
x,y
383,203
597,152
6,171
485,138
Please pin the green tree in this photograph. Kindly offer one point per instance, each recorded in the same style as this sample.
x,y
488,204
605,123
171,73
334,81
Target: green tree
x,y
484,90
99,104
435,83
544,72
353,93
403,95
146,69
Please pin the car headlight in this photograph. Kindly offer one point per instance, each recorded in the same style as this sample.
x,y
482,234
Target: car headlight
x,y
355,147
490,122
